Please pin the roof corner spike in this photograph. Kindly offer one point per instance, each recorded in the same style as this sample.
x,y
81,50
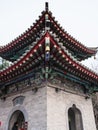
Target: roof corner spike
x,y
46,6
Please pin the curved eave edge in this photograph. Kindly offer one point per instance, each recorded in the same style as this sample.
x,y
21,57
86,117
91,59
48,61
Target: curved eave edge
x,y
23,59
69,37
20,78
85,84
22,36
73,62
70,59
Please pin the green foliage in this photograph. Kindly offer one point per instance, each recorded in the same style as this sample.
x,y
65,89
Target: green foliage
x,y
3,64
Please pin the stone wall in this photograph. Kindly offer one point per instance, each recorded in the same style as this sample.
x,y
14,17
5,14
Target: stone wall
x,y
58,104
33,108
47,108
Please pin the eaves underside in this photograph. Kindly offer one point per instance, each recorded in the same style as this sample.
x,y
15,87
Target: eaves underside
x,y
60,61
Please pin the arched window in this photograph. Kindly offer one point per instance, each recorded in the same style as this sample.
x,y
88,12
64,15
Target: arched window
x,y
17,116
75,118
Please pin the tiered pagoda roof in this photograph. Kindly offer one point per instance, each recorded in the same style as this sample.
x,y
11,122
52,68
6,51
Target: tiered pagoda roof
x,y
17,47
46,48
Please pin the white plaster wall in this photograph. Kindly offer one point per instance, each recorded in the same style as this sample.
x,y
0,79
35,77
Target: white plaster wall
x,y
34,109
48,110
5,108
57,110
36,106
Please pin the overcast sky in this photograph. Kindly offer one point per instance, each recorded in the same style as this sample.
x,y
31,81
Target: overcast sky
x,y
78,17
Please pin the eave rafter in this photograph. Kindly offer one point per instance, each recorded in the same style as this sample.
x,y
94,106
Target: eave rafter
x,y
70,64
59,58
70,42
47,48
58,54
21,43
30,60
23,40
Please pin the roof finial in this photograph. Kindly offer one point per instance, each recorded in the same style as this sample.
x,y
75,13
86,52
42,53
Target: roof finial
x,y
46,6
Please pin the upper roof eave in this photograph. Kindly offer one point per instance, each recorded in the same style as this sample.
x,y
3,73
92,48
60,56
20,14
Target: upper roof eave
x,y
15,42
89,50
76,44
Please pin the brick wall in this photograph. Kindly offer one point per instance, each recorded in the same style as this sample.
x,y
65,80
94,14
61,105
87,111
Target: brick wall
x,y
57,110
47,109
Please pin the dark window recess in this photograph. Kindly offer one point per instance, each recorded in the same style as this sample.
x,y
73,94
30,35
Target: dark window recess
x,y
18,100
